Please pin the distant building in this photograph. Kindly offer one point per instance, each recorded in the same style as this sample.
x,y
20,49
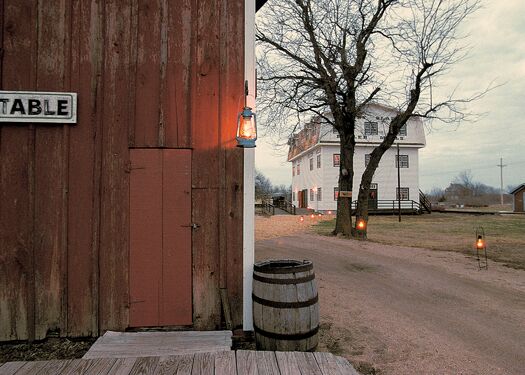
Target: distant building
x,y
519,198
314,155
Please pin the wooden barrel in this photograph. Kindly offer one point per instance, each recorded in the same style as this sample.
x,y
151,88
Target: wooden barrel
x,y
285,305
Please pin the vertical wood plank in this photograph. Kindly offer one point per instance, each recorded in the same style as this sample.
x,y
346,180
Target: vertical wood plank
x,y
206,171
114,215
327,363
145,278
246,362
266,363
16,177
83,172
185,365
51,175
145,366
225,363
176,101
307,363
176,301
231,100
203,364
147,88
287,363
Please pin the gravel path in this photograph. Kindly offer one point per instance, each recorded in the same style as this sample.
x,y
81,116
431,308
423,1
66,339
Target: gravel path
x,y
402,310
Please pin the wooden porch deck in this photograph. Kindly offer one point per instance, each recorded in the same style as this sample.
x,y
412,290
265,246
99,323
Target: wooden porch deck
x,y
242,362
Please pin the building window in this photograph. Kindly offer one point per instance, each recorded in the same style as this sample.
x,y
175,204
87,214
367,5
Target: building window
x,y
337,159
336,193
402,161
293,195
293,170
402,194
403,130
367,159
298,169
312,164
312,195
319,194
370,128
319,161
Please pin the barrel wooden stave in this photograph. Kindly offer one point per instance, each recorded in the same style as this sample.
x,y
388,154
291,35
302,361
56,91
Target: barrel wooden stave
x,y
287,321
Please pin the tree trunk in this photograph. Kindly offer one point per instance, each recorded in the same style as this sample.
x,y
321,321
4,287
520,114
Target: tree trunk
x,y
343,222
366,180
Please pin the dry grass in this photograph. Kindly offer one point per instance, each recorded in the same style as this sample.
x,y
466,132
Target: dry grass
x,y
505,234
267,227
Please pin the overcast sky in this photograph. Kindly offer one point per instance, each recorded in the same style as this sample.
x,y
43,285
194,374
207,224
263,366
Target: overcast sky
x,y
497,38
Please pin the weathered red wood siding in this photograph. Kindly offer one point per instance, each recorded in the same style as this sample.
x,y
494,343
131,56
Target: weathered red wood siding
x,y
148,73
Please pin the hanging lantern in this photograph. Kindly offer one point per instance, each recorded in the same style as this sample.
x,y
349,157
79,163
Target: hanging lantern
x,y
312,216
319,215
361,224
329,212
246,128
480,243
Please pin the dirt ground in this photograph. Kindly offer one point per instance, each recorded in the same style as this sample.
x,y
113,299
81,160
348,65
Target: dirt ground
x,y
405,310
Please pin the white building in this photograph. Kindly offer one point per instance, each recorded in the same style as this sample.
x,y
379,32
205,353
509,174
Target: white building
x,y
314,154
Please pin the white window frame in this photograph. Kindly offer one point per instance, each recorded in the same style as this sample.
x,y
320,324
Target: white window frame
x,y
371,128
404,161
334,158
403,190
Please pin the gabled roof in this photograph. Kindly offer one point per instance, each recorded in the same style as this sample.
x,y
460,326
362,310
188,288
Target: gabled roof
x,y
304,140
518,188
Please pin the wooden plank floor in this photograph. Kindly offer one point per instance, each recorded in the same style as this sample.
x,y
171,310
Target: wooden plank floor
x,y
230,362
157,344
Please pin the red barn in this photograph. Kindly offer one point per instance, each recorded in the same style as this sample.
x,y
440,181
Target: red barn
x,y
139,213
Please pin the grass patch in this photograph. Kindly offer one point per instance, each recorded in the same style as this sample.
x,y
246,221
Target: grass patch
x,y
505,234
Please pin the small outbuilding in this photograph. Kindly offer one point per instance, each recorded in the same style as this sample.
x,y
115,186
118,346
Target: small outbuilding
x,y
135,208
519,198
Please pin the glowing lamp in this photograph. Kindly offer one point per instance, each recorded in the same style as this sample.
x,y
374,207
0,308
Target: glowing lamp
x,y
246,128
301,219
361,224
480,244
319,215
312,216
329,212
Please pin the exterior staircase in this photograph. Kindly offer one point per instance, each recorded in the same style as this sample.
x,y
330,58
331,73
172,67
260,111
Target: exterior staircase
x,y
424,203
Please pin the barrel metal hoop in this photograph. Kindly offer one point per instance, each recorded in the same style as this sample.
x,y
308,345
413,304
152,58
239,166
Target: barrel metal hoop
x,y
286,336
285,305
267,268
268,280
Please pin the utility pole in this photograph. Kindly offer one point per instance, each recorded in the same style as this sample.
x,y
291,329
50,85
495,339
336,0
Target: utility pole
x,y
398,185
501,166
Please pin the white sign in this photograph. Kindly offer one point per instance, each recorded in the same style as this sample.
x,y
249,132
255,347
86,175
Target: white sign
x,y
50,107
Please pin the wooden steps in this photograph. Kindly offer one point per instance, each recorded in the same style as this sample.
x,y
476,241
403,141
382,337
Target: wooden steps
x,y
157,344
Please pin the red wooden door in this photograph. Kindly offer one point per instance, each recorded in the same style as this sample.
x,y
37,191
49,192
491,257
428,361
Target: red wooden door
x,y
160,237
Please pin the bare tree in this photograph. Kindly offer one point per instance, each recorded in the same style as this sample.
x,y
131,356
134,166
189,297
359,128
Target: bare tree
x,y
331,58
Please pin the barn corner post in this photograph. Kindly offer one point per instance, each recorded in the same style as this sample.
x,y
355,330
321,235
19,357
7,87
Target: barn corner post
x,y
249,169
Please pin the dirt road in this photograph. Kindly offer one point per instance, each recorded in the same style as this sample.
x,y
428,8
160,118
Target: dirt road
x,y
398,310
